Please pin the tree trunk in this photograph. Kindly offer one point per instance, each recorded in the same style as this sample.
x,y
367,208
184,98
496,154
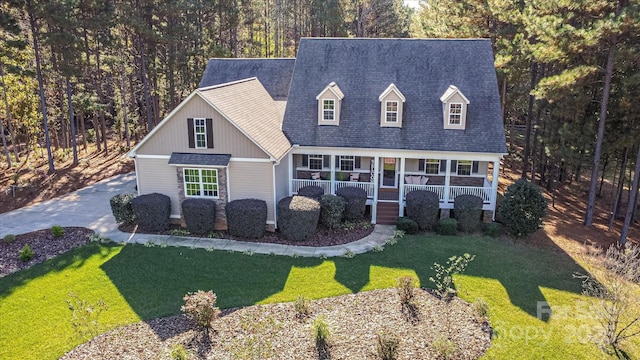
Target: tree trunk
x,y
145,85
527,134
43,103
631,204
6,103
72,123
616,201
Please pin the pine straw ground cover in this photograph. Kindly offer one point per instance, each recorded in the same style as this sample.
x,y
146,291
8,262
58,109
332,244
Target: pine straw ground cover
x,y
276,332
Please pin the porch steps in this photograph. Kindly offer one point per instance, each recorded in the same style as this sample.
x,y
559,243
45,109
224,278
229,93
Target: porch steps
x,y
387,213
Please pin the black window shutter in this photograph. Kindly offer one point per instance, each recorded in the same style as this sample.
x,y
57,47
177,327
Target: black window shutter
x,y
305,160
474,167
192,140
210,133
326,161
454,165
421,165
357,161
443,165
337,162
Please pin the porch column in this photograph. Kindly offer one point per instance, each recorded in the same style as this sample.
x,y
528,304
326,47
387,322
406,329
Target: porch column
x,y
290,156
333,174
374,206
447,181
494,186
401,188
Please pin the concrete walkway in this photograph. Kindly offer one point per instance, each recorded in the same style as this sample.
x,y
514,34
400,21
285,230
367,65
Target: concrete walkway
x,y
89,207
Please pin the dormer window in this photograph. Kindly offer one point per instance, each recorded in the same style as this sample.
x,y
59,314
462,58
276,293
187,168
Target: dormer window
x,y
329,101
391,101
454,108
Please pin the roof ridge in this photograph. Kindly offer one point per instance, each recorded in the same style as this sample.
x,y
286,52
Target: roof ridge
x,y
226,84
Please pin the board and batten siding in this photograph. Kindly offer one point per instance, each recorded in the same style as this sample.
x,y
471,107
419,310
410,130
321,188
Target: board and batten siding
x,y
159,178
227,139
252,180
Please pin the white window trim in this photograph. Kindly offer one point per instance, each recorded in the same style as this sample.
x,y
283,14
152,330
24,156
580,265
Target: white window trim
x,y
459,114
332,111
315,157
217,183
196,133
347,159
465,163
432,162
387,111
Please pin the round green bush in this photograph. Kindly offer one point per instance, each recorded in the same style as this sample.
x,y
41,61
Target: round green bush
x,y
468,212
152,211
199,215
423,207
9,238
523,208
408,225
246,218
311,191
356,202
331,210
26,253
298,217
122,209
447,226
492,229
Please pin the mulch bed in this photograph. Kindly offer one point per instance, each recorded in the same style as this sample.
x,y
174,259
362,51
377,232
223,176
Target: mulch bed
x,y
44,246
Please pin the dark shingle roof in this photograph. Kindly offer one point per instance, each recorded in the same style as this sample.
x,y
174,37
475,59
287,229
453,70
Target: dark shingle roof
x,y
422,69
274,74
199,159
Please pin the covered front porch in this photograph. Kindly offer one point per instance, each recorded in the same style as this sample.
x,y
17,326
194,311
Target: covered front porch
x,y
387,179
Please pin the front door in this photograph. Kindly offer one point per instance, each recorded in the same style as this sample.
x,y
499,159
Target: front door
x,y
389,173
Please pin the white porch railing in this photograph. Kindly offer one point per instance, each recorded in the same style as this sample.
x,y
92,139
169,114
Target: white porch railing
x,y
438,189
298,184
482,192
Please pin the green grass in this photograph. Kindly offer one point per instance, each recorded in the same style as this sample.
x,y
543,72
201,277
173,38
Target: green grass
x,y
139,282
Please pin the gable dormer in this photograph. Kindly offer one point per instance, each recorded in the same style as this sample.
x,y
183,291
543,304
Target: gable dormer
x,y
391,104
454,108
329,101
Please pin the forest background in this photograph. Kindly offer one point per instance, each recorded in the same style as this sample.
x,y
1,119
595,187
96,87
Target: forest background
x,y
93,77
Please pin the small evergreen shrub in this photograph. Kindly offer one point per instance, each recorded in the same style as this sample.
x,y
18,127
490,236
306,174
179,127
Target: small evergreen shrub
x,y
178,352
445,348
314,192
122,209
331,210
302,306
298,217
468,212
448,226
199,215
9,238
57,231
26,253
423,207
387,345
492,229
356,202
481,308
152,211
201,307
523,208
246,218
408,225
321,334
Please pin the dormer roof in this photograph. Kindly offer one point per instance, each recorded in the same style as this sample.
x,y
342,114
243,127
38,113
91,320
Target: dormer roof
x,y
450,92
333,87
389,89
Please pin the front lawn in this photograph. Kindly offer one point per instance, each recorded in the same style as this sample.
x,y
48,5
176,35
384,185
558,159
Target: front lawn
x,y
139,283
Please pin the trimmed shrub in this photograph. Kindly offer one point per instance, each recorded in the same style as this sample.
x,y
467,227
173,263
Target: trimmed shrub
x,y
201,307
314,192
152,211
199,215
298,217
408,225
26,253
246,218
423,207
492,229
356,202
468,212
331,210
57,231
448,226
523,208
122,209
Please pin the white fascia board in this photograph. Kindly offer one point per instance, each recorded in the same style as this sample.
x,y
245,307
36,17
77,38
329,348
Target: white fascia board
x,y
146,156
330,88
419,154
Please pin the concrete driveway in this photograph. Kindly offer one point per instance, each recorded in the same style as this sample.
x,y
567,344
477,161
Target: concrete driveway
x,y
88,207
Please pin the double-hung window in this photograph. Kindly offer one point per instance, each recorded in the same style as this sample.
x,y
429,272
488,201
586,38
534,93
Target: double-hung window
x,y
201,183
200,133
328,110
455,113
391,111
432,166
315,162
464,167
347,163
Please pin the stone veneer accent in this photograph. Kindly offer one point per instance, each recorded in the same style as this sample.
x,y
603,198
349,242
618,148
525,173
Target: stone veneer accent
x,y
221,202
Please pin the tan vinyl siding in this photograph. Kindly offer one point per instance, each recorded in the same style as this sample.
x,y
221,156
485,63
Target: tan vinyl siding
x,y
155,175
392,96
411,165
252,180
173,136
456,98
328,95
